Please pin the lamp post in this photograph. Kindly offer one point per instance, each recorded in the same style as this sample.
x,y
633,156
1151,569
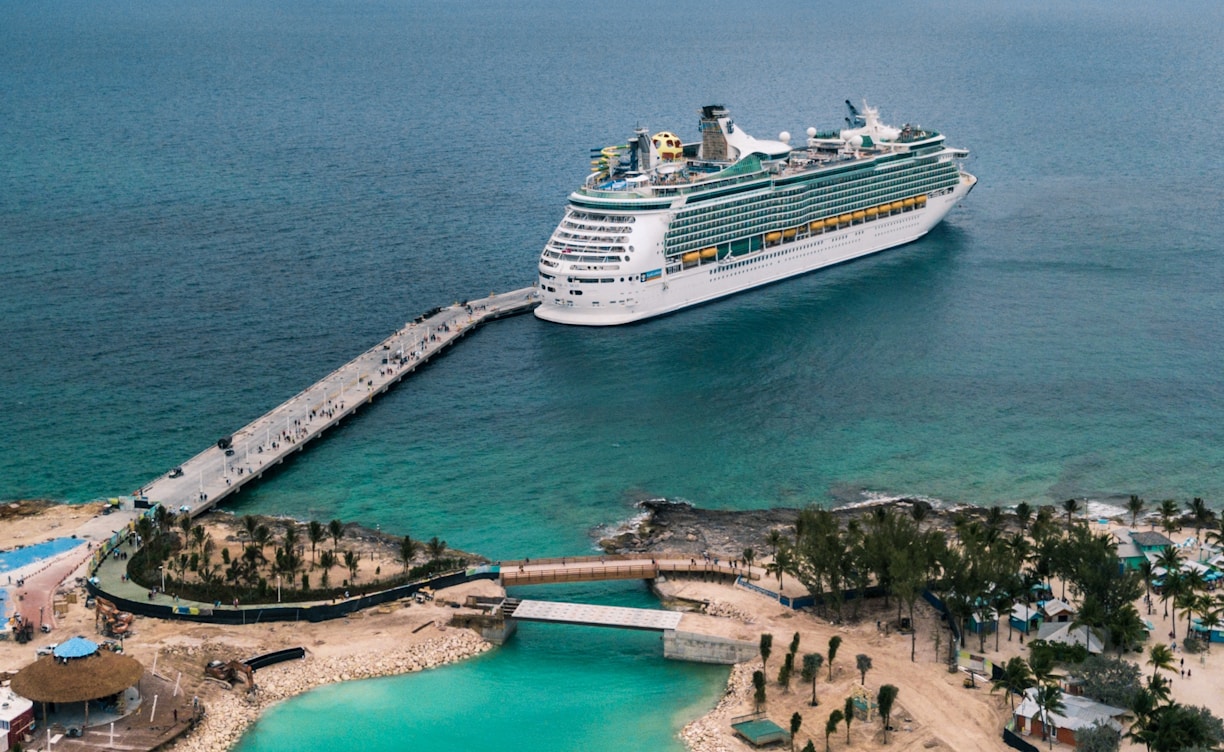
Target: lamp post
x,y
278,593
163,577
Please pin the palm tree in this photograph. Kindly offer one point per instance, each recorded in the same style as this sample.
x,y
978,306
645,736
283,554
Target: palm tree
x,y
835,719
1016,678
766,648
1135,506
1145,571
919,512
884,702
862,661
249,524
1024,512
263,535
1070,506
352,563
994,517
335,529
1169,515
749,557
834,644
758,683
811,669
1160,657
784,673
1049,700
435,548
774,539
848,715
1211,618
1126,628
316,533
408,550
796,722
1091,615
1201,514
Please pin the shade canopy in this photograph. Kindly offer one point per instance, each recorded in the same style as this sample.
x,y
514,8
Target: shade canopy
x,y
102,674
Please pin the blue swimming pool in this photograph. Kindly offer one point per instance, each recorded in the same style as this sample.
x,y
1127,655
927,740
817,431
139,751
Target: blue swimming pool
x,y
19,557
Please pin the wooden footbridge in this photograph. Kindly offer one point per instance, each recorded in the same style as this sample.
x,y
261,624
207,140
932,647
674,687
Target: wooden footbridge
x,y
617,567
242,458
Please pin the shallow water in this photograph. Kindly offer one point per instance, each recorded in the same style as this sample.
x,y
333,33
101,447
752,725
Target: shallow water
x,y
203,208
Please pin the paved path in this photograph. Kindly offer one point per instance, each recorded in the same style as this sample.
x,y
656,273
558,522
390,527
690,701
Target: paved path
x,y
212,475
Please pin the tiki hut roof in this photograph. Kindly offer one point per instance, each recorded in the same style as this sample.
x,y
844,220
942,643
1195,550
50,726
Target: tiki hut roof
x,y
51,679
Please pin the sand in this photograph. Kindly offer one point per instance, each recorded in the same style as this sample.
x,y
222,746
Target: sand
x,y
933,709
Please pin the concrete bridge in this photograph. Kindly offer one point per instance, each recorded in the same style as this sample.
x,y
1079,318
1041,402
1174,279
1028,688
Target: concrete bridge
x,y
242,458
685,636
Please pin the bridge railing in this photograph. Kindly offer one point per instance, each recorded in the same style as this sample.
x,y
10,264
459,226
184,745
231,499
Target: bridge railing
x,y
606,571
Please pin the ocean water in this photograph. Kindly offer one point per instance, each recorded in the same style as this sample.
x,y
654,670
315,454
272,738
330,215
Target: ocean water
x,y
205,207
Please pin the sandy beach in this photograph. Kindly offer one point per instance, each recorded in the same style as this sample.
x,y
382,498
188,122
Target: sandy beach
x,y
933,709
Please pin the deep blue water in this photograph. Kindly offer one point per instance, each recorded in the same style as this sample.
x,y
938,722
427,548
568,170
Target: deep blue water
x,y
206,206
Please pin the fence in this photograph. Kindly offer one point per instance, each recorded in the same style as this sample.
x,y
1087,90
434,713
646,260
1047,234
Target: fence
x,y
314,613
1011,739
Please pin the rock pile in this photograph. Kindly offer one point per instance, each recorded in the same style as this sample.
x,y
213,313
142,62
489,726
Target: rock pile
x,y
230,714
707,733
728,610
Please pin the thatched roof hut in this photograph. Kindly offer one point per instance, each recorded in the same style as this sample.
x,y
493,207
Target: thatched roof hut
x,y
102,673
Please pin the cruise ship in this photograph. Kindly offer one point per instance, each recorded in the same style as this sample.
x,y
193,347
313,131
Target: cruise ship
x,y
660,225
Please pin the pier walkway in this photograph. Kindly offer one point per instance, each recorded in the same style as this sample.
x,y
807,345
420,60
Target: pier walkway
x,y
225,468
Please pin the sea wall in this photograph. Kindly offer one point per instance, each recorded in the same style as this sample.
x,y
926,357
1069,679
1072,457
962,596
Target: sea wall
x,y
229,714
700,648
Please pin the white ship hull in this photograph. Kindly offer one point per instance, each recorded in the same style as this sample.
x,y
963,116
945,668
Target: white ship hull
x,y
635,300
646,244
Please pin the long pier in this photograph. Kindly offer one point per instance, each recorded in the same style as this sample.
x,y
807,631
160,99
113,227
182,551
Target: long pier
x,y
236,461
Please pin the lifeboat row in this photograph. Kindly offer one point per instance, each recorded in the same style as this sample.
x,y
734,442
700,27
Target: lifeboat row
x,y
844,220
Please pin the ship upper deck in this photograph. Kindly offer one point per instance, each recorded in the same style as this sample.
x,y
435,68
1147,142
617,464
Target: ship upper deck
x,y
689,174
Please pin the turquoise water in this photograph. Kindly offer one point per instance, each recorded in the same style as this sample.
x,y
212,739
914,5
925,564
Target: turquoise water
x,y
205,207
551,687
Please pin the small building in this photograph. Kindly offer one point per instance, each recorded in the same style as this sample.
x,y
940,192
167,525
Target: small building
x,y
1149,540
1025,618
1065,635
1215,634
985,621
16,718
1130,556
1058,611
1078,713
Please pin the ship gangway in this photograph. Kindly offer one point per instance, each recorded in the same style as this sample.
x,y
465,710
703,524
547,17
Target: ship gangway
x,y
238,460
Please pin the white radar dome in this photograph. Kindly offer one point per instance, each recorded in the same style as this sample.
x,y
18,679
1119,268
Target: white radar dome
x,y
811,132
784,137
855,141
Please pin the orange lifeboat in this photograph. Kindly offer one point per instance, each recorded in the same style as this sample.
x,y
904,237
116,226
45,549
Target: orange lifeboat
x,y
920,200
896,206
909,203
859,215
709,253
872,212
773,237
790,232
816,226
691,257
845,219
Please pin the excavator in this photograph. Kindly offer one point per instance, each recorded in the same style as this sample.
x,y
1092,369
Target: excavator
x,y
231,672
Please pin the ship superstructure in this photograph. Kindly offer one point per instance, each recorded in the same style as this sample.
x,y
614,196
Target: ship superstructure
x,y
660,225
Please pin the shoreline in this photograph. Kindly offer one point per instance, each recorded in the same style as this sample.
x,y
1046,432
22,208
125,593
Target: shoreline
x,y
230,715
